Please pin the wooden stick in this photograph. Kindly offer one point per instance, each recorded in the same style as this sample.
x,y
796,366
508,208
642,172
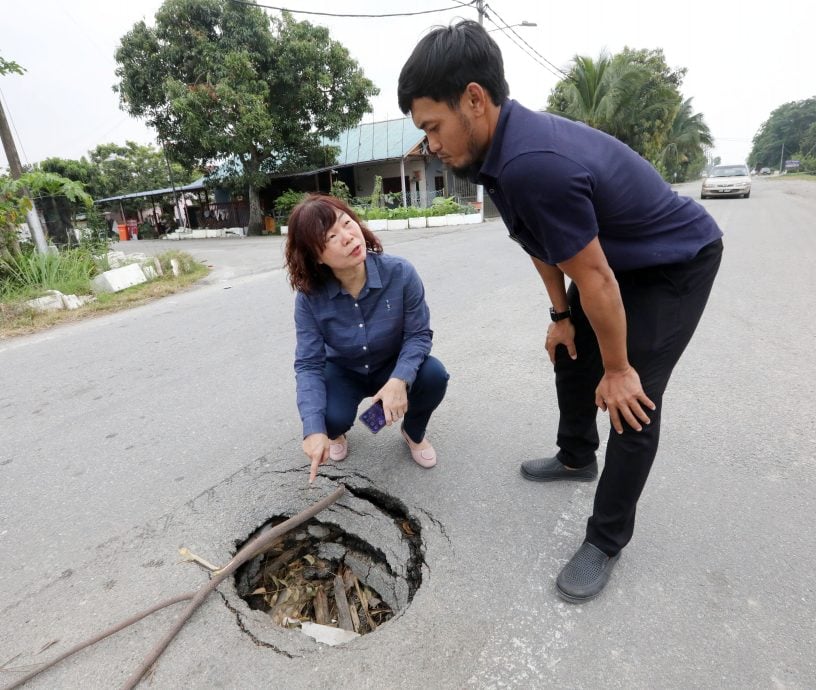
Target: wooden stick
x,y
364,604
321,607
246,553
101,636
253,548
343,613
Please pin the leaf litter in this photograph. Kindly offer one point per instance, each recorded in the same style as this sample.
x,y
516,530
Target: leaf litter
x,y
298,585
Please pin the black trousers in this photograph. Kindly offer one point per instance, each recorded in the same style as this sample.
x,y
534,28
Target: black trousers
x,y
663,307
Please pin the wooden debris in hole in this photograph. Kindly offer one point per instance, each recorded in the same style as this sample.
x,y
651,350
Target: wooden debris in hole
x,y
293,583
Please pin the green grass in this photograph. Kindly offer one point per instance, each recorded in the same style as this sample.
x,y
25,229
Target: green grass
x,y
798,176
28,274
31,276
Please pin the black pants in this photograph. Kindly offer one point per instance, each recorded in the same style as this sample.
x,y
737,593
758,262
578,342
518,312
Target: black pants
x,y
663,307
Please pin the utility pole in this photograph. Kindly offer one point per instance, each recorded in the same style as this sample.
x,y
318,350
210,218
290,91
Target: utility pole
x,y
481,10
185,220
782,157
16,169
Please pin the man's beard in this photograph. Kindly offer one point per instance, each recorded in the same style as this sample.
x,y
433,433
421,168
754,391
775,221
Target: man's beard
x,y
465,171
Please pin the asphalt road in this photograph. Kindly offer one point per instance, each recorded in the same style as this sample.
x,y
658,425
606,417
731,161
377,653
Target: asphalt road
x,y
126,436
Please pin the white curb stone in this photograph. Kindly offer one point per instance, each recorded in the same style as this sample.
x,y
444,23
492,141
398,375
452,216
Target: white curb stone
x,y
118,279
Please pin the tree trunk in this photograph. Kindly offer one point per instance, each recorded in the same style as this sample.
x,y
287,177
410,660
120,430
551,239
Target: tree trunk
x,y
255,217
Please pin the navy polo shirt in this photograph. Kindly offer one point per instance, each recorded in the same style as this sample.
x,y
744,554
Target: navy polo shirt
x,y
558,184
387,325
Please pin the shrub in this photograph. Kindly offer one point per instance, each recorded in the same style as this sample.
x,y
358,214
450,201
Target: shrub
x,y
443,206
374,213
31,273
286,202
186,263
340,190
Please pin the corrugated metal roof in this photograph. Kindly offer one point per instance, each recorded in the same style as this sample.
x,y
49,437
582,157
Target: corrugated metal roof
x,y
365,143
192,187
376,141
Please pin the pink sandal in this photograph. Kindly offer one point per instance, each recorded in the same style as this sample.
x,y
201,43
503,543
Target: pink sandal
x,y
424,458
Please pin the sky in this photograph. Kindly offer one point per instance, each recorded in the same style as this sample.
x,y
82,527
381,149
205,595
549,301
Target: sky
x,y
741,64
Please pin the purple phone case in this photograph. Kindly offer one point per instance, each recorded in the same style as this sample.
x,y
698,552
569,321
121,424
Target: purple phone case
x,y
374,417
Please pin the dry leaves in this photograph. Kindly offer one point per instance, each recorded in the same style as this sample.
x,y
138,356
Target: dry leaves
x,y
294,585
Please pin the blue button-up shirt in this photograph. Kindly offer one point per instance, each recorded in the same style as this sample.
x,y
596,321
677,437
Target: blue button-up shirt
x,y
389,320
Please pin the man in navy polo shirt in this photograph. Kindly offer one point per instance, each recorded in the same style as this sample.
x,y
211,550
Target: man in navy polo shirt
x,y
641,261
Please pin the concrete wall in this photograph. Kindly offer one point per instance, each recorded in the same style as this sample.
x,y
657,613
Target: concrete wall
x,y
420,177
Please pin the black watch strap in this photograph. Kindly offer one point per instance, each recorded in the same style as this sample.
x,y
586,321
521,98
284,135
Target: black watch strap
x,y
559,315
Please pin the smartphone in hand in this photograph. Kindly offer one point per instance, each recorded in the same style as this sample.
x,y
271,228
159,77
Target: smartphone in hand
x,y
374,417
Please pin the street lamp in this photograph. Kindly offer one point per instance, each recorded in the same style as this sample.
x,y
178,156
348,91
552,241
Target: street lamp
x,y
510,26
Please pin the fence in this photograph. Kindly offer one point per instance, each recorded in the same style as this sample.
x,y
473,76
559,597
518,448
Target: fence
x,y
233,214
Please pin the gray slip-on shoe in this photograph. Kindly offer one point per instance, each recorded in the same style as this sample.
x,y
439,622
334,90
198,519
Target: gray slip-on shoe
x,y
586,574
552,470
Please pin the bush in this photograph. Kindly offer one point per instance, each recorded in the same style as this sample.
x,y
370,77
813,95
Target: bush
x,y
443,206
146,231
404,212
186,263
341,191
286,202
374,213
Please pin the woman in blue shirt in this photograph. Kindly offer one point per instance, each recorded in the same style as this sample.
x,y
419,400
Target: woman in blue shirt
x,y
363,330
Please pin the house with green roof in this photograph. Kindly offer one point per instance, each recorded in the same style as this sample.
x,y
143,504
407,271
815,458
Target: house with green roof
x,y
394,150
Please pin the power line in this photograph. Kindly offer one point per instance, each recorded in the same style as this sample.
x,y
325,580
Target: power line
x,y
560,72
355,16
523,49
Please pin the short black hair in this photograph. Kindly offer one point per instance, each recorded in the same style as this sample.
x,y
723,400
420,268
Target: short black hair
x,y
446,60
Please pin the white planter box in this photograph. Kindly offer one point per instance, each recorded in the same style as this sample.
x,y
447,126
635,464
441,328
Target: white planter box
x,y
375,225
198,234
421,222
397,223
437,221
455,218
470,218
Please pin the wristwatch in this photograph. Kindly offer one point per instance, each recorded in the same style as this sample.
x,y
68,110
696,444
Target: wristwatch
x,y
559,315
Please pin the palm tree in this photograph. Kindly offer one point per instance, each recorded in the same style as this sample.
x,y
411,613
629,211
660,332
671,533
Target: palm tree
x,y
619,96
683,152
588,93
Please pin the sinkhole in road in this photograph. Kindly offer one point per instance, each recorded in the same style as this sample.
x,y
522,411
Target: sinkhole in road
x,y
354,567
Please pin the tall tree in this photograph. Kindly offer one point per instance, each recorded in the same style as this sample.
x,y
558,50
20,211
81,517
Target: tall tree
x,y
220,81
114,170
683,156
134,168
786,127
649,99
588,94
633,96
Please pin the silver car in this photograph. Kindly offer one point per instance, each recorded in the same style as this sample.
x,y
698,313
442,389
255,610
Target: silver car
x,y
727,180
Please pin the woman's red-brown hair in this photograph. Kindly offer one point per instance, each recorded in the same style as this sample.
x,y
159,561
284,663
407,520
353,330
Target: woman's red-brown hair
x,y
309,223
